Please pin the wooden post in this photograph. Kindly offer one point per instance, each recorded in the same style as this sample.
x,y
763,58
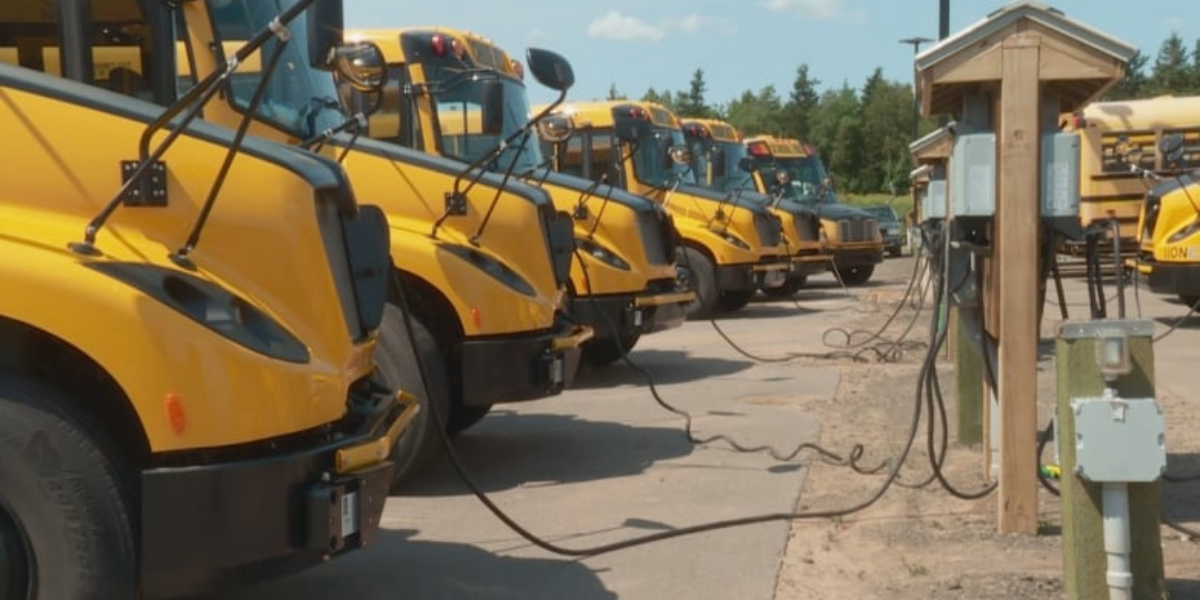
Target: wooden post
x,y
1084,562
1019,54
1017,243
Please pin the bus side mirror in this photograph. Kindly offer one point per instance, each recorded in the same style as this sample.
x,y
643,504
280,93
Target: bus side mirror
x,y
362,66
550,69
325,27
1171,147
631,130
747,164
555,128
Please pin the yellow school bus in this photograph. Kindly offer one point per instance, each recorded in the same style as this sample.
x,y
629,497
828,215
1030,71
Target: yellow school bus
x,y
186,380
731,247
1109,188
787,168
720,162
1125,175
623,277
484,259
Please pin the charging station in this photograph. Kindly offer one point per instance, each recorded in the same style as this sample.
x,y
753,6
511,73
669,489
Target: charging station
x,y
1005,80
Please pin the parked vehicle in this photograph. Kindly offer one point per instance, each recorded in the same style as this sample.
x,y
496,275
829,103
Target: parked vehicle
x,y
889,228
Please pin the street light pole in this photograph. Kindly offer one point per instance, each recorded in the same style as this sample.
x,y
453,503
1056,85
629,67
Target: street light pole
x,y
916,117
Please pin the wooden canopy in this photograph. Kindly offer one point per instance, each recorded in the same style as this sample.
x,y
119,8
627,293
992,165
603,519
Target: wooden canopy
x,y
1076,63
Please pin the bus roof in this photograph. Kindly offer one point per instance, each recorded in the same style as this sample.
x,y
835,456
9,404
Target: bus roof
x,y
769,145
599,113
482,51
715,128
1144,114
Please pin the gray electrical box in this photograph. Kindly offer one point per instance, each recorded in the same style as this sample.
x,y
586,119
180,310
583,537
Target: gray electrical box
x,y
1119,439
1060,175
973,175
933,205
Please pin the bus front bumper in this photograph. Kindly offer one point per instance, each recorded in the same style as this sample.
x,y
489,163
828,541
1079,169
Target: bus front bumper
x,y
515,368
751,277
290,505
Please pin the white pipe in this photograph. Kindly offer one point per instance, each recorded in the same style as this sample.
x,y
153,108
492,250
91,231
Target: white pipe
x,y
1116,541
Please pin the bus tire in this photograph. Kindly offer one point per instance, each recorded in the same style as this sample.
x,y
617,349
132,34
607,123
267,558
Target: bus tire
x,y
701,279
400,369
65,529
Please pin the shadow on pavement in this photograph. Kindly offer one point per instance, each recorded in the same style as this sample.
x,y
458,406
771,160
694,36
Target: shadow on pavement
x,y
507,450
664,366
1183,589
396,566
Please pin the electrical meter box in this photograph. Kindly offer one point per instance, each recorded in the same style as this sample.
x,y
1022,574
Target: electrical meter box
x,y
1060,183
973,175
1119,439
933,205
1060,175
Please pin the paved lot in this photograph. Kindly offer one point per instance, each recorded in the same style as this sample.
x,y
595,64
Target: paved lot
x,y
604,462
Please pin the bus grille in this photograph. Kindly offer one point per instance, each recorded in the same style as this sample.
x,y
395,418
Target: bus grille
x,y
857,229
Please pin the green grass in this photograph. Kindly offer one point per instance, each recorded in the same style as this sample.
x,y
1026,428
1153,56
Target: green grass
x,y
901,204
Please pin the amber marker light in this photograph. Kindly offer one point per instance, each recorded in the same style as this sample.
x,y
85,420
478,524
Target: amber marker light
x,y
476,318
176,416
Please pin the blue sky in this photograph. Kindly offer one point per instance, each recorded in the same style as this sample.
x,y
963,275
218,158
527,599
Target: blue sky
x,y
743,44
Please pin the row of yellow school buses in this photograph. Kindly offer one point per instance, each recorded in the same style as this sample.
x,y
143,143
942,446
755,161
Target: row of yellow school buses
x,y
255,269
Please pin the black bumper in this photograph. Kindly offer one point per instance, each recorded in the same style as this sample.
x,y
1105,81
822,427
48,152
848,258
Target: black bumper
x,y
857,257
212,526
612,315
517,368
1180,279
809,264
731,278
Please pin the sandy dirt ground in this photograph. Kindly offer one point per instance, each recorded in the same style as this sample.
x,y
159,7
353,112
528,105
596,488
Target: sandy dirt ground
x,y
920,542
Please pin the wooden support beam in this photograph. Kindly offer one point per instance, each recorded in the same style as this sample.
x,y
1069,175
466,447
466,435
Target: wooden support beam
x,y
1017,244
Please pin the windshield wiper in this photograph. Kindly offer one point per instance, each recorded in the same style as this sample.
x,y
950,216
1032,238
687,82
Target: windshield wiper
x,y
733,197
193,101
456,199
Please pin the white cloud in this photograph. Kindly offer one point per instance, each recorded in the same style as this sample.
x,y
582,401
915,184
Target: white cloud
x,y
824,10
694,24
617,26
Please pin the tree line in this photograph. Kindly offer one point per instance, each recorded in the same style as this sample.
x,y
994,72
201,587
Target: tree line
x,y
863,133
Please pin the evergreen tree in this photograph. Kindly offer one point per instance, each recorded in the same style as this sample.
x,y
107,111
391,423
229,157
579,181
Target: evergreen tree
x,y
1135,82
691,103
886,120
755,114
1172,69
613,94
802,101
837,135
664,98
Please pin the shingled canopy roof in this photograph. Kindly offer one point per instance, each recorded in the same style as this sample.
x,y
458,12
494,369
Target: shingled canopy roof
x,y
1077,63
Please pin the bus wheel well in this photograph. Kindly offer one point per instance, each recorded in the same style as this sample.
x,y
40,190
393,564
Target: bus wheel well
x,y
87,389
429,306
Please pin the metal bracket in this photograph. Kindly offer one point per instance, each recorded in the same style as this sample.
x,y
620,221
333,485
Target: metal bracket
x,y
456,204
151,190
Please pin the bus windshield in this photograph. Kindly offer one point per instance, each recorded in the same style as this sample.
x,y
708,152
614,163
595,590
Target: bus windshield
x,y
299,99
652,159
460,96
801,178
715,165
